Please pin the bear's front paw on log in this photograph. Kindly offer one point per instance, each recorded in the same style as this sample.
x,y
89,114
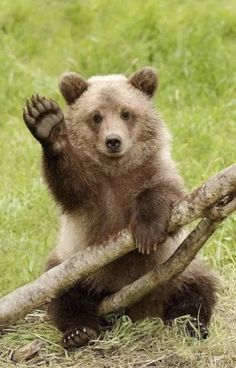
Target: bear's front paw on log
x,y
45,120
79,336
147,236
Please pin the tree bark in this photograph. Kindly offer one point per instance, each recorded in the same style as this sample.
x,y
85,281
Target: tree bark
x,y
221,189
175,265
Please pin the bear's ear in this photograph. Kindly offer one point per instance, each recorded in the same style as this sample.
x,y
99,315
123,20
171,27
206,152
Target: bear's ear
x,y
72,85
145,80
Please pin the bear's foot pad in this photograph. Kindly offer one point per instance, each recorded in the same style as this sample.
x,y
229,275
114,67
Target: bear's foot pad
x,y
197,329
78,337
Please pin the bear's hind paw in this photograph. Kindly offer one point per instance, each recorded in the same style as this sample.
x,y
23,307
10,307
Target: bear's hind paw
x,y
197,329
78,337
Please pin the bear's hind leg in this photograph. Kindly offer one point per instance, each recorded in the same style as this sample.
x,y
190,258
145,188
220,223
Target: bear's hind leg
x,y
75,314
193,294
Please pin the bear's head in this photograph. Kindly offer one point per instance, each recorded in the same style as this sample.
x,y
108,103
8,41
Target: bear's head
x,y
111,119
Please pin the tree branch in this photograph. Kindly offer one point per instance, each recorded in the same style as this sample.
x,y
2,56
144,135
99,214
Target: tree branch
x,y
175,265
193,206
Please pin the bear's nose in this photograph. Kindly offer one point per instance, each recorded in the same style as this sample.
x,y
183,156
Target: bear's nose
x,y
113,142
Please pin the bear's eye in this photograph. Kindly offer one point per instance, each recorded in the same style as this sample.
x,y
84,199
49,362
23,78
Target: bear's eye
x,y
125,115
97,118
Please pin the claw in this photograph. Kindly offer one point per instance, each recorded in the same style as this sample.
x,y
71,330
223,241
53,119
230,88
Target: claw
x,y
28,105
32,99
34,112
78,337
54,105
27,118
46,104
60,114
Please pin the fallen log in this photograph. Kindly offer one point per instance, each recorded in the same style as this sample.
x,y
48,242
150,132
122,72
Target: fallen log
x,y
212,201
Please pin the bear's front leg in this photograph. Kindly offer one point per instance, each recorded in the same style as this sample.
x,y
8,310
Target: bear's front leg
x,y
62,166
45,121
150,219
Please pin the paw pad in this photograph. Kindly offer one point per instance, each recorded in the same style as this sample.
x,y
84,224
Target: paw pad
x,y
41,116
78,337
197,329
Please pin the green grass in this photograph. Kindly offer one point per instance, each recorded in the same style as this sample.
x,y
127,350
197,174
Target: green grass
x,y
193,45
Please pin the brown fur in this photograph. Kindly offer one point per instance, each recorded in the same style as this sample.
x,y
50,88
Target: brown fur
x,y
145,80
72,86
101,193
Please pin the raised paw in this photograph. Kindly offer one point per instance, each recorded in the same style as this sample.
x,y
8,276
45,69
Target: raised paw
x,y
44,119
77,337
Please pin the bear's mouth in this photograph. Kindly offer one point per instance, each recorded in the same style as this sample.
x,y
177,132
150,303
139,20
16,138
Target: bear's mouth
x,y
114,155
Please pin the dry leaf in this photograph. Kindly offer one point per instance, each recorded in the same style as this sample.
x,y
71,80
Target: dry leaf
x,y
26,352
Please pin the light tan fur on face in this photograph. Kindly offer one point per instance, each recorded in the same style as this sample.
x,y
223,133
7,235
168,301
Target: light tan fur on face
x,y
110,96
113,125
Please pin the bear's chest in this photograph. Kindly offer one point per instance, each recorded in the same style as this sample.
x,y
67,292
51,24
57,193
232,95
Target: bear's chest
x,y
110,213
112,209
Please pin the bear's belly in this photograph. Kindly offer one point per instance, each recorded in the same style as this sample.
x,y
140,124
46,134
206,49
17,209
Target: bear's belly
x,y
78,232
121,272
132,266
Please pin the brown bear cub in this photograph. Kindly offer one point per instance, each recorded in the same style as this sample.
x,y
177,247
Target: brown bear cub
x,y
107,163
